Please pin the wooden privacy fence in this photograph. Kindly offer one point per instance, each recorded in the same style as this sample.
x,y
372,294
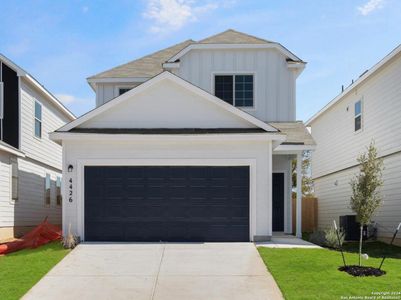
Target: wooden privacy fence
x,y
309,214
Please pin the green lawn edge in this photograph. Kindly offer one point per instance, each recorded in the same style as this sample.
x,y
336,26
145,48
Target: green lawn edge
x,y
312,273
21,270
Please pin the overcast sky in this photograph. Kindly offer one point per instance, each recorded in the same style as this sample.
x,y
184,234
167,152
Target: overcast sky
x,y
61,43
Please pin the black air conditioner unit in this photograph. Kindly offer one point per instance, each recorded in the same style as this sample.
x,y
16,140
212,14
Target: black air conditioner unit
x,y
351,228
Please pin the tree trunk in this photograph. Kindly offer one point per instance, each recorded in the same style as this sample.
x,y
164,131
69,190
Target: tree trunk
x,y
360,245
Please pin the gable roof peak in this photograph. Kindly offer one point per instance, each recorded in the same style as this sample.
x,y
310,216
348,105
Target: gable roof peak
x,y
231,36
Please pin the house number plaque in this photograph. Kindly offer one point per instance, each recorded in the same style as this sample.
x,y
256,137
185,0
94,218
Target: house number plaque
x,y
70,190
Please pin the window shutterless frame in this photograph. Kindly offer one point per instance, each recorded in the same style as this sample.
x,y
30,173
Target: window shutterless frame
x,y
47,189
243,88
14,180
37,119
358,116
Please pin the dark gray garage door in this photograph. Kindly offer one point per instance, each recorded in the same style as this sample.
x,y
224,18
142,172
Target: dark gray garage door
x,y
166,203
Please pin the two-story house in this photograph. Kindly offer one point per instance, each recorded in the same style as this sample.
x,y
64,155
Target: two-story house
x,y
191,143
30,163
368,110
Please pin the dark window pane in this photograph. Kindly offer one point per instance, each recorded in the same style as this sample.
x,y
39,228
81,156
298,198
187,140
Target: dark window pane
x,y
123,90
38,111
223,87
38,128
358,123
244,90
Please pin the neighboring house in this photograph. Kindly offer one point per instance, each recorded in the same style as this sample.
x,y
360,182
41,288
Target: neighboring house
x,y
369,109
30,163
191,143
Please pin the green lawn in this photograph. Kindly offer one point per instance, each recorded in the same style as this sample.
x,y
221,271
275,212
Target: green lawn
x,y
19,271
313,274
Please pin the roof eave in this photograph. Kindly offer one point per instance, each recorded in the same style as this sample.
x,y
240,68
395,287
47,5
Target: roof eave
x,y
359,81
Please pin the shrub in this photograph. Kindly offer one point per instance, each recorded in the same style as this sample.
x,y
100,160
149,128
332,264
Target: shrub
x,y
327,238
70,241
318,238
331,239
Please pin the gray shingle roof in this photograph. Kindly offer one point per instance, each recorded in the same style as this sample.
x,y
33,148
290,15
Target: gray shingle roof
x,y
297,133
151,65
231,36
147,66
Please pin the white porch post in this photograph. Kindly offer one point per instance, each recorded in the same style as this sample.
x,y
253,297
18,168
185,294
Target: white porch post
x,y
299,195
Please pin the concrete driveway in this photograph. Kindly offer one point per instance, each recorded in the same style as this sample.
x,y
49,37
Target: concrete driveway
x,y
159,271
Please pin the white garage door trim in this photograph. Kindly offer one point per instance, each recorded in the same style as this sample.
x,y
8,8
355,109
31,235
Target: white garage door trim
x,y
81,163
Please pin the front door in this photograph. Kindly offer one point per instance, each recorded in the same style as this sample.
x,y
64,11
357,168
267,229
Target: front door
x,y
278,201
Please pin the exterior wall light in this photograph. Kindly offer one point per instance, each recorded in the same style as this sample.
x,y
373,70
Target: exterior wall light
x,y
70,168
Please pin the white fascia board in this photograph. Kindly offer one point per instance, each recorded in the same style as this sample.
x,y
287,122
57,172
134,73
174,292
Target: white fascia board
x,y
93,81
11,150
168,75
118,79
171,65
12,65
50,97
356,83
297,67
60,136
276,46
293,149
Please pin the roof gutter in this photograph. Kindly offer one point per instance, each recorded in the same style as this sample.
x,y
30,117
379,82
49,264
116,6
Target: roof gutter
x,y
60,136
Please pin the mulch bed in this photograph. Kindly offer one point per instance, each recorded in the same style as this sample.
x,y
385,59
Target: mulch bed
x,y
362,271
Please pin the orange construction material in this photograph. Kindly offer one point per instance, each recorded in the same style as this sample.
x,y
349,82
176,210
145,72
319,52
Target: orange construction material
x,y
42,234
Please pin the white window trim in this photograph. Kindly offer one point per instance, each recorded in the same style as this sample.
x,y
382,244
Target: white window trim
x,y
355,116
13,161
34,120
118,87
234,73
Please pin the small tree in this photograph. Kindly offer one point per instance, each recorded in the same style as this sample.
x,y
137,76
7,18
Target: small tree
x,y
365,197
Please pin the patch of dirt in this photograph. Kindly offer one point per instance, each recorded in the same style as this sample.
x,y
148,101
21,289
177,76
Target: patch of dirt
x,y
362,271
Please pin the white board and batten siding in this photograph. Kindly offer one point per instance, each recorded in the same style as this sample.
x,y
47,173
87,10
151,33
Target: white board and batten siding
x,y
338,145
274,83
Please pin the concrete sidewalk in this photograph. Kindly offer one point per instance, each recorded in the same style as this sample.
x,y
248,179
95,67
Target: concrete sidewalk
x,y
159,271
287,241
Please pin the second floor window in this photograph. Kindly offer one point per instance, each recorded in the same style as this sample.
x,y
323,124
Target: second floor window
x,y
358,116
235,89
38,119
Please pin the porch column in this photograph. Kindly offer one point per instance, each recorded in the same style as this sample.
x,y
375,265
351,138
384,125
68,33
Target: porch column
x,y
299,195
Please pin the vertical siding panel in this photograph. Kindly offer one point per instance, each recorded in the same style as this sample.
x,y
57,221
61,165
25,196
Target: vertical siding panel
x,y
273,84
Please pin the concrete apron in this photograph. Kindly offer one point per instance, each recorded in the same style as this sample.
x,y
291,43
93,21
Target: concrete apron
x,y
159,271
